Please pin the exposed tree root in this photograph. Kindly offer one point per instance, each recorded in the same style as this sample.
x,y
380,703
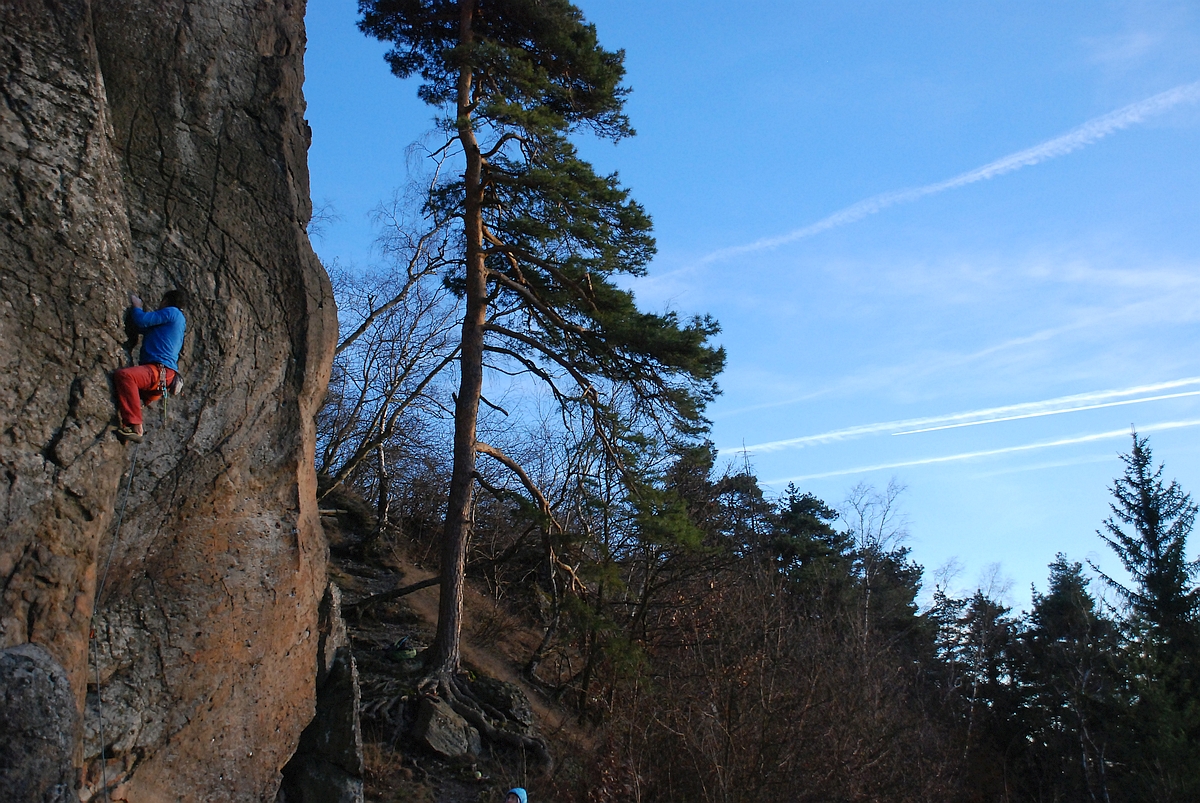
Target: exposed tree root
x,y
456,691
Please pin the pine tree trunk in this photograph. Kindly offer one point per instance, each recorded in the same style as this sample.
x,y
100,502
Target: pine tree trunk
x,y
444,653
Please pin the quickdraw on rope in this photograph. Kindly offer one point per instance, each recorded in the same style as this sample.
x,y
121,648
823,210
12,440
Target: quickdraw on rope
x,y
112,548
163,390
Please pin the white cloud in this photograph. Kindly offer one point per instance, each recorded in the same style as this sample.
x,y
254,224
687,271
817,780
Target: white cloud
x,y
1122,50
1041,413
1049,464
954,458
1090,132
1062,404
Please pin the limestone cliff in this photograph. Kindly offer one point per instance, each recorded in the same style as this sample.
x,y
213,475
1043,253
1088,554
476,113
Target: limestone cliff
x,y
146,144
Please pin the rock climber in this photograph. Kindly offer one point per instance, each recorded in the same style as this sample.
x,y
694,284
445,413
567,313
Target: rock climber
x,y
162,338
516,795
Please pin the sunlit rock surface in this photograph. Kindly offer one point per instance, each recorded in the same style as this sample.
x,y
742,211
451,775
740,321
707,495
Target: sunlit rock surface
x,y
146,145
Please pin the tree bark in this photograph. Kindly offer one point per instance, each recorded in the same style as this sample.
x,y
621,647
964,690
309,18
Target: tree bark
x,y
383,502
444,653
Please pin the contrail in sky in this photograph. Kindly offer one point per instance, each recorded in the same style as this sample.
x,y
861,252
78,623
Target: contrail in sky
x,y
1051,412
953,458
1062,404
1092,131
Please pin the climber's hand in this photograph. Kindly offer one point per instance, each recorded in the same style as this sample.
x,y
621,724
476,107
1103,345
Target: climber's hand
x,y
135,301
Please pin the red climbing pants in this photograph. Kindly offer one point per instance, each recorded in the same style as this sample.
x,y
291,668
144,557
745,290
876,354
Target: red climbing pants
x,y
138,385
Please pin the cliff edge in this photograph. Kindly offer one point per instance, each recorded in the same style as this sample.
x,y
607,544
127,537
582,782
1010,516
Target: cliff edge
x,y
147,145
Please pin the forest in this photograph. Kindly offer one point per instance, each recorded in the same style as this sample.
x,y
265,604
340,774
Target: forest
x,y
502,403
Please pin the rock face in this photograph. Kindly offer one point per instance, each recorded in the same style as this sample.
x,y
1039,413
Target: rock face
x,y
38,720
507,699
148,144
328,764
443,732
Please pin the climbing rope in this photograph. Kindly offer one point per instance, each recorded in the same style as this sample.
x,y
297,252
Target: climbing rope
x,y
112,548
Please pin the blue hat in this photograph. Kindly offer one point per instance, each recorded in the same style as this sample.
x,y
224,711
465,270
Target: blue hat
x,y
520,793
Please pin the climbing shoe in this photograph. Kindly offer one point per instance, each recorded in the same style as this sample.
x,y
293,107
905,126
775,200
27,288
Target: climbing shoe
x,y
129,434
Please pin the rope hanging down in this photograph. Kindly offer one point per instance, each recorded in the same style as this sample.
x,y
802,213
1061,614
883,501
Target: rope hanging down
x,y
112,548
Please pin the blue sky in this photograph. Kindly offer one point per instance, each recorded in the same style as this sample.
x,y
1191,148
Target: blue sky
x,y
945,213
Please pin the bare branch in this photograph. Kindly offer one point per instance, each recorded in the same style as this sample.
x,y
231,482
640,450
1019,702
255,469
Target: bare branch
x,y
413,278
385,430
495,407
578,375
517,251
532,368
509,136
525,479
537,304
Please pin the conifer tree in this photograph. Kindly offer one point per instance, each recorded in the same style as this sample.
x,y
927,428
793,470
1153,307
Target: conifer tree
x,y
1067,678
1148,529
816,557
541,236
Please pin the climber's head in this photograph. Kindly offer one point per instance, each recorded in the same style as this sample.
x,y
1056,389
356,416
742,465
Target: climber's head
x,y
175,298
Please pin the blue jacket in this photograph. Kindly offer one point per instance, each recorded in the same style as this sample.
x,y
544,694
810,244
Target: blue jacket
x,y
163,335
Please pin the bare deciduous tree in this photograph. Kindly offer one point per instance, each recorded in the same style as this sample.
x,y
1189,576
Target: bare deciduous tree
x,y
397,342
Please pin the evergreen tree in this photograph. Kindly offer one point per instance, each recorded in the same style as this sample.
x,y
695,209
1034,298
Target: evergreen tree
x,y
893,583
974,644
541,236
987,635
811,553
743,514
1148,530
1071,692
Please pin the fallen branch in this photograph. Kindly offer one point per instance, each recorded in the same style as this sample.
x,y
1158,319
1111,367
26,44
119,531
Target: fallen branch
x,y
365,604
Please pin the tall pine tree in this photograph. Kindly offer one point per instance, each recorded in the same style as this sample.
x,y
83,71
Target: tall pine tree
x,y
542,236
1148,529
